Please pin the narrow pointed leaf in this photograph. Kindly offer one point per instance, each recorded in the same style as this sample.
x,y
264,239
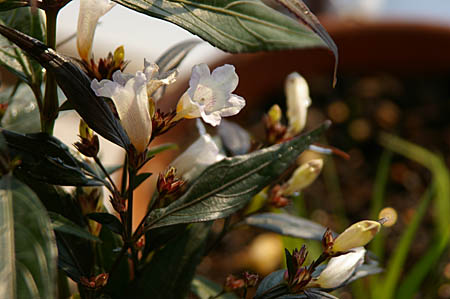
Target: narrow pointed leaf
x,y
108,220
287,225
232,25
160,148
64,225
75,85
228,185
26,229
302,12
45,158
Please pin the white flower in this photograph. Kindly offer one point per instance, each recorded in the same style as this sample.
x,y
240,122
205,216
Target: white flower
x,y
197,157
339,269
90,12
130,97
298,101
209,95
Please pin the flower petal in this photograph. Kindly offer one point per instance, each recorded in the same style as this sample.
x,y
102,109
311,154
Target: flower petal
x,y
225,76
340,269
90,12
199,155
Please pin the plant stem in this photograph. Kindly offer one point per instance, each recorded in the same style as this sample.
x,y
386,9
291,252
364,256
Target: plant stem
x,y
129,227
99,163
50,105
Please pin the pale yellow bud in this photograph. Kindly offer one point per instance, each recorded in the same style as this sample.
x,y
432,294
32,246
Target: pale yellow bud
x,y
119,56
298,101
274,114
358,234
84,130
303,176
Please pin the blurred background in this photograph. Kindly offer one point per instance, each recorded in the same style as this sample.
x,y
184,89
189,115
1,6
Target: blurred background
x,y
393,80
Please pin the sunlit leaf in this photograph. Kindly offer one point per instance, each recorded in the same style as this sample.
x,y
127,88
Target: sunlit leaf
x,y
233,25
205,289
228,185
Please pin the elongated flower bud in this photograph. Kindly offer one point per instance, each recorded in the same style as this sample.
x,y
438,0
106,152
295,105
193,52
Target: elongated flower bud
x,y
90,12
303,176
356,235
298,101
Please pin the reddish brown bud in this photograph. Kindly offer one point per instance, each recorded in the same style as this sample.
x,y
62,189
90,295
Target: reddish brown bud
x,y
232,283
276,198
168,183
95,282
106,67
162,122
250,279
327,241
88,147
118,203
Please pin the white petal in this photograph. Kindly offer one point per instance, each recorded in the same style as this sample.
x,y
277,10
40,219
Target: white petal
x,y
90,12
226,77
340,268
121,78
202,153
235,104
199,72
131,103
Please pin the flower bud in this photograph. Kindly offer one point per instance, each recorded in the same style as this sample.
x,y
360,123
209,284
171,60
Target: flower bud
x,y
232,283
339,269
298,101
119,56
358,234
303,176
274,114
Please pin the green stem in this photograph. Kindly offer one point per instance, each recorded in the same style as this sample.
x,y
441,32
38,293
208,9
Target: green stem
x,y
129,227
50,105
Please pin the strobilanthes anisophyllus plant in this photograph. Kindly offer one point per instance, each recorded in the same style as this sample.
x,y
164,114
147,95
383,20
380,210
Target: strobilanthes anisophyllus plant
x,y
54,235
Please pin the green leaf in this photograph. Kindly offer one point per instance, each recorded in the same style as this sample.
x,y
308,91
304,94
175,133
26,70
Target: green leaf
x,y
269,283
11,4
437,165
396,263
171,270
205,289
228,185
47,159
108,220
160,148
76,86
22,114
287,225
28,248
140,178
29,22
64,225
232,25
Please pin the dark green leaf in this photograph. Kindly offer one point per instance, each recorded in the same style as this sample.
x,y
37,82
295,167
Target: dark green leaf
x,y
269,283
108,220
205,289
29,22
228,185
171,59
119,281
67,105
231,25
363,271
140,178
287,225
75,85
302,12
64,225
171,270
68,261
28,247
11,4
317,294
47,159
